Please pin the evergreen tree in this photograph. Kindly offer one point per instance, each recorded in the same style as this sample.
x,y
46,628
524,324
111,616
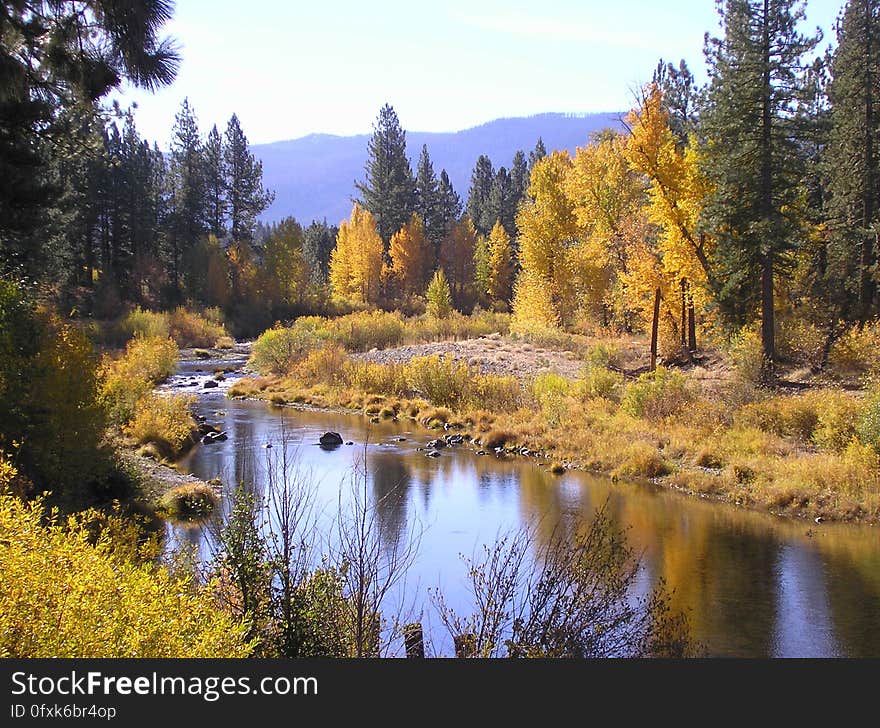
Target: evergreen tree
x,y
680,98
215,183
479,206
449,205
502,202
188,220
246,197
457,259
428,199
319,239
389,190
57,60
853,156
537,154
756,83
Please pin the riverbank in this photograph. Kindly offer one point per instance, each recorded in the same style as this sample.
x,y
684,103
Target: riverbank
x,y
793,453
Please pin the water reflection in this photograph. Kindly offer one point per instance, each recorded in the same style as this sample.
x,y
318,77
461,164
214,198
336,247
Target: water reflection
x,y
752,584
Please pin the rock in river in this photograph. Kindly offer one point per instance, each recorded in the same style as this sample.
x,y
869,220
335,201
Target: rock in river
x,y
330,439
210,384
437,444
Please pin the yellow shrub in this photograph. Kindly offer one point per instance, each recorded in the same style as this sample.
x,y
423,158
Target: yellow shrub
x,y
277,350
163,420
494,393
321,365
857,351
60,596
838,418
441,380
147,324
657,395
126,380
375,378
189,328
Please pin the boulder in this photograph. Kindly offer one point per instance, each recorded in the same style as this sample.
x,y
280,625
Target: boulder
x,y
212,437
437,444
210,384
433,454
330,439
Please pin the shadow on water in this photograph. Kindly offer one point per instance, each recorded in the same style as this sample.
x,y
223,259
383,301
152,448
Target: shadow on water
x,y
751,584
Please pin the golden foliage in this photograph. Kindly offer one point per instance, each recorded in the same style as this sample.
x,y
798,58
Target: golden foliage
x,y
500,264
62,596
410,257
356,262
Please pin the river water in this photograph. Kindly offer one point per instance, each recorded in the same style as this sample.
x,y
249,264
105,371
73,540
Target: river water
x,y
753,585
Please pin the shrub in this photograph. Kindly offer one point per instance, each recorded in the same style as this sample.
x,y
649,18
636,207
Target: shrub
x,y
603,356
597,382
147,324
857,351
642,461
497,438
747,356
189,502
442,381
793,417
375,378
189,328
225,342
163,420
550,391
657,395
498,394
277,350
869,422
62,597
325,364
124,381
837,421
51,420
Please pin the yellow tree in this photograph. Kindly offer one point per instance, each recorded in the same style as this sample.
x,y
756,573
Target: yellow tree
x,y
409,256
676,192
457,260
545,293
609,202
500,264
356,262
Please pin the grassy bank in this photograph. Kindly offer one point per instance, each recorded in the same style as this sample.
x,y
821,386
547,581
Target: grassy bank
x,y
810,453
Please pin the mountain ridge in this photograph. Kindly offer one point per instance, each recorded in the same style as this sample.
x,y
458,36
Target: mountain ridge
x,y
314,176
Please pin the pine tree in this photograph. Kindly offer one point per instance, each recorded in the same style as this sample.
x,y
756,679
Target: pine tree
x,y
537,154
457,261
756,82
215,183
319,238
677,88
389,190
853,155
428,200
479,197
438,296
246,197
448,206
519,188
503,202
187,190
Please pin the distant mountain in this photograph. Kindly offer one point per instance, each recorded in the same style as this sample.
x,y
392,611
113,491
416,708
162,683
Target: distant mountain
x,y
313,177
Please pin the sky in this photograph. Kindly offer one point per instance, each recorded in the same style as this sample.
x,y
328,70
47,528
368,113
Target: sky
x,y
292,68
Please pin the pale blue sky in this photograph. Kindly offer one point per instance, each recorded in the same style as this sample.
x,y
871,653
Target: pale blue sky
x,y
292,68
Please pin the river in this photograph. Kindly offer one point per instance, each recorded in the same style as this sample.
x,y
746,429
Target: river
x,y
752,584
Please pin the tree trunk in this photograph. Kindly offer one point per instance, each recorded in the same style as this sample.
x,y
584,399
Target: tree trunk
x,y
684,324
655,328
867,287
768,334
692,326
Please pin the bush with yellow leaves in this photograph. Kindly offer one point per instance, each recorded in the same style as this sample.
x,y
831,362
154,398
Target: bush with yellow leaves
x,y
61,595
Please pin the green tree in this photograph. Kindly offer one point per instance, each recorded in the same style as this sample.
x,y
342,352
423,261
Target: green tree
x,y
389,190
853,154
428,200
537,154
245,196
188,214
215,183
757,82
479,205
319,239
449,208
57,60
